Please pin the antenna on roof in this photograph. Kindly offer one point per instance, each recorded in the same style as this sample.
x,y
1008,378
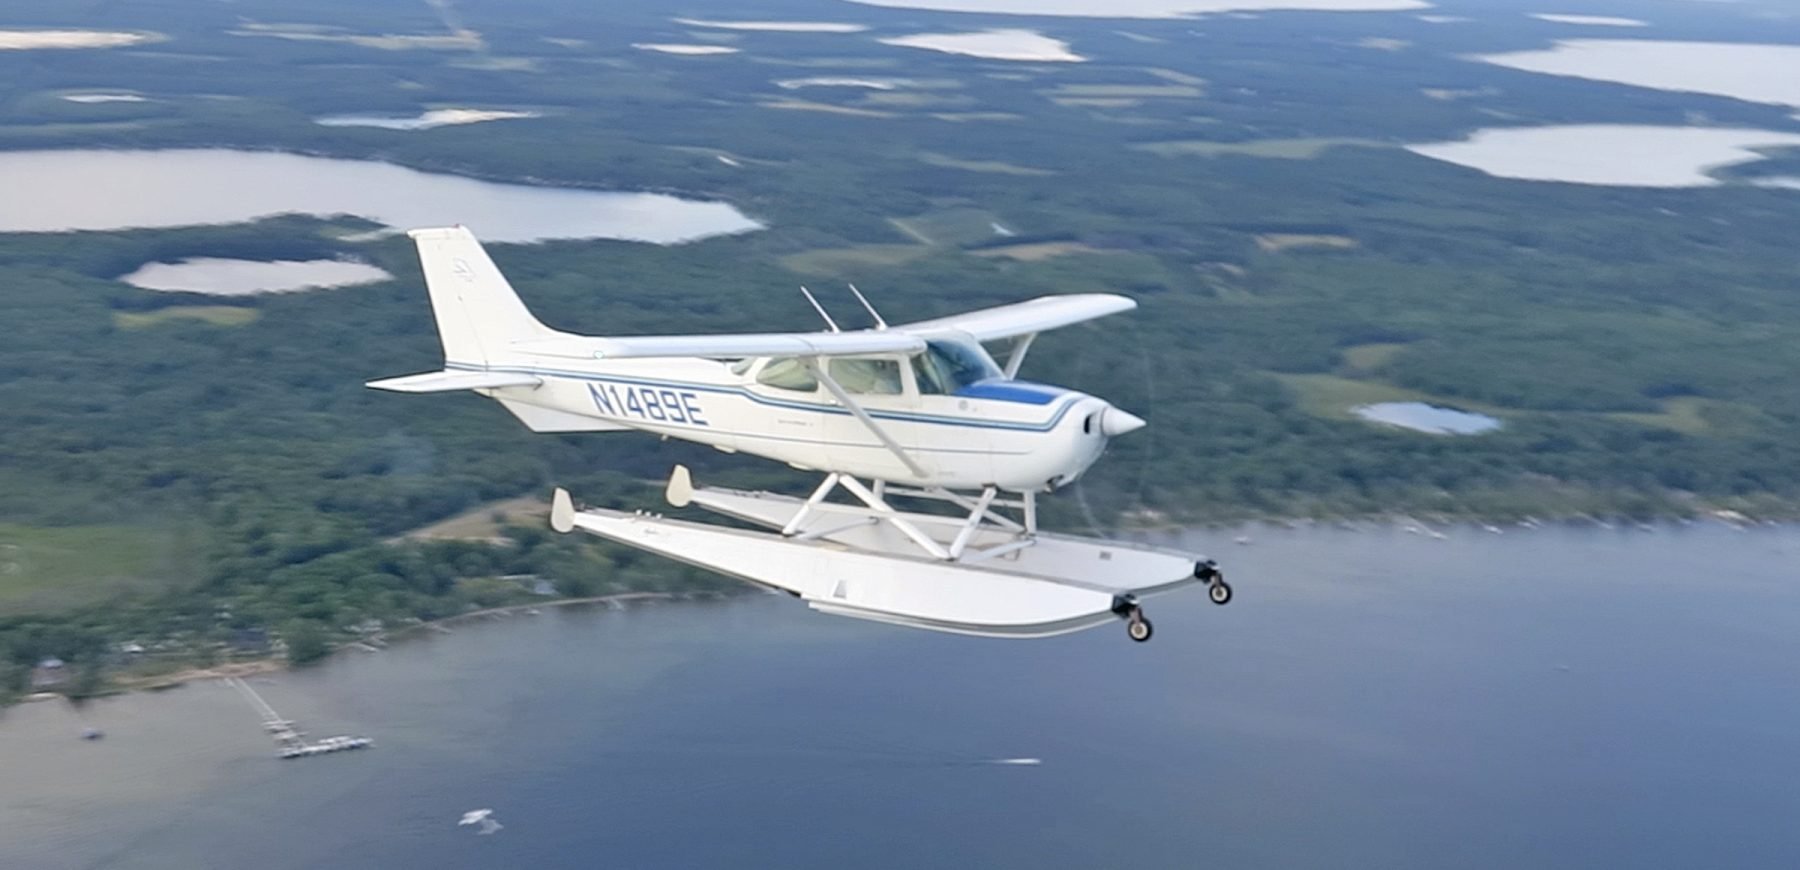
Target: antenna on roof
x,y
819,308
879,323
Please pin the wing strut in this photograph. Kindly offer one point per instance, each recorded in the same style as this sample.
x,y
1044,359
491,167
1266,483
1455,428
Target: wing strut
x,y
825,488
881,507
879,323
837,390
1020,347
878,509
966,538
819,308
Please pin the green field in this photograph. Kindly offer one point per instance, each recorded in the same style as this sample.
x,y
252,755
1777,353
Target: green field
x,y
931,158
217,315
1283,149
1336,398
53,569
829,262
1688,415
1126,91
952,226
1367,357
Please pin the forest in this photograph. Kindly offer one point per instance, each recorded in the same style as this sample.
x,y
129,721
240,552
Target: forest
x,y
209,465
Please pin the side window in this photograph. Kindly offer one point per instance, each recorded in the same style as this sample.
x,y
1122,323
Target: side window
x,y
960,365
787,374
877,376
948,366
930,382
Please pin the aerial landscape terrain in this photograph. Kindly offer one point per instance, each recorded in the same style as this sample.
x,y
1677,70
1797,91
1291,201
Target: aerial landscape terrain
x,y
1470,268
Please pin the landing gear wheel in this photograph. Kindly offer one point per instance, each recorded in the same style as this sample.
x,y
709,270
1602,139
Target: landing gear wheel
x,y
1139,629
1219,592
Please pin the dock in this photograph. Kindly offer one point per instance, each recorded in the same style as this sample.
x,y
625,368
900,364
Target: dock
x,y
290,741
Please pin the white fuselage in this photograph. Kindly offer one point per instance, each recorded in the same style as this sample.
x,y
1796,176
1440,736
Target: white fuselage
x,y
1016,435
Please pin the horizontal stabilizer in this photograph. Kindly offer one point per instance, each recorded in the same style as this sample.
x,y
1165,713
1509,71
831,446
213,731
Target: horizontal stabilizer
x,y
447,381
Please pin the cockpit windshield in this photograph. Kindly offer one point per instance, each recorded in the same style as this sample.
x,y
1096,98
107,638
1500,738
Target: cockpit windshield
x,y
948,365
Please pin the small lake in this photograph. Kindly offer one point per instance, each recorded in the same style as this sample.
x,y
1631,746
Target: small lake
x,y
104,98
999,44
776,26
1421,417
1145,8
841,82
1588,20
1558,699
684,48
1759,73
224,277
82,189
22,40
1627,155
426,120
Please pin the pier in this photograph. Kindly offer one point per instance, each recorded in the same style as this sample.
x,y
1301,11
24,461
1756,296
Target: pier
x,y
290,741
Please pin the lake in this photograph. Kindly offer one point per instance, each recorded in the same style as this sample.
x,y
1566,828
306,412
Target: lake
x,y
426,120
1422,417
221,276
684,48
998,44
1631,155
1146,8
1589,20
80,189
1760,73
1548,698
21,40
776,26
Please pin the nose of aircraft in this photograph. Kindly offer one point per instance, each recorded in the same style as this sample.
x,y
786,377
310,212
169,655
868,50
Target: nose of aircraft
x,y
1115,422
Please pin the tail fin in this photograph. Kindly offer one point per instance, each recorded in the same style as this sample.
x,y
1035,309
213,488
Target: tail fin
x,y
478,314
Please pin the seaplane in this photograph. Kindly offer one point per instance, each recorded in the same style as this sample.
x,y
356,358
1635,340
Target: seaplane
x,y
933,454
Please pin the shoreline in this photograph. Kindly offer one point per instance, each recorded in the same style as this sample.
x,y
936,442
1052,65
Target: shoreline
x,y
275,663
1161,524
1425,525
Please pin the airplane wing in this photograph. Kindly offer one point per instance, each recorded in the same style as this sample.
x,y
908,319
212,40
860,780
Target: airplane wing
x,y
726,346
1024,318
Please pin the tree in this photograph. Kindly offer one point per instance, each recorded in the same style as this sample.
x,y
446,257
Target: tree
x,y
306,641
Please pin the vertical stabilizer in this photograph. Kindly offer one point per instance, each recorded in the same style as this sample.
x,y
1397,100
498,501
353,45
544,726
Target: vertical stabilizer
x,y
478,314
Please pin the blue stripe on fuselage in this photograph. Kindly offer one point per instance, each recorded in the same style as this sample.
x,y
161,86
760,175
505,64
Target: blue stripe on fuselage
x,y
879,414
1022,392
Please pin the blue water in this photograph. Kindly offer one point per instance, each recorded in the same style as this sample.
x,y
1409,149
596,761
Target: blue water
x,y
1555,698
1432,419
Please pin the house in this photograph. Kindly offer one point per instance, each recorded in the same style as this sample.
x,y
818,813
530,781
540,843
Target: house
x,y
250,642
49,674
537,585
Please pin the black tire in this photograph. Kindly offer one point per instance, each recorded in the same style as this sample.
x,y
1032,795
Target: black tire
x,y
1139,629
1219,592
